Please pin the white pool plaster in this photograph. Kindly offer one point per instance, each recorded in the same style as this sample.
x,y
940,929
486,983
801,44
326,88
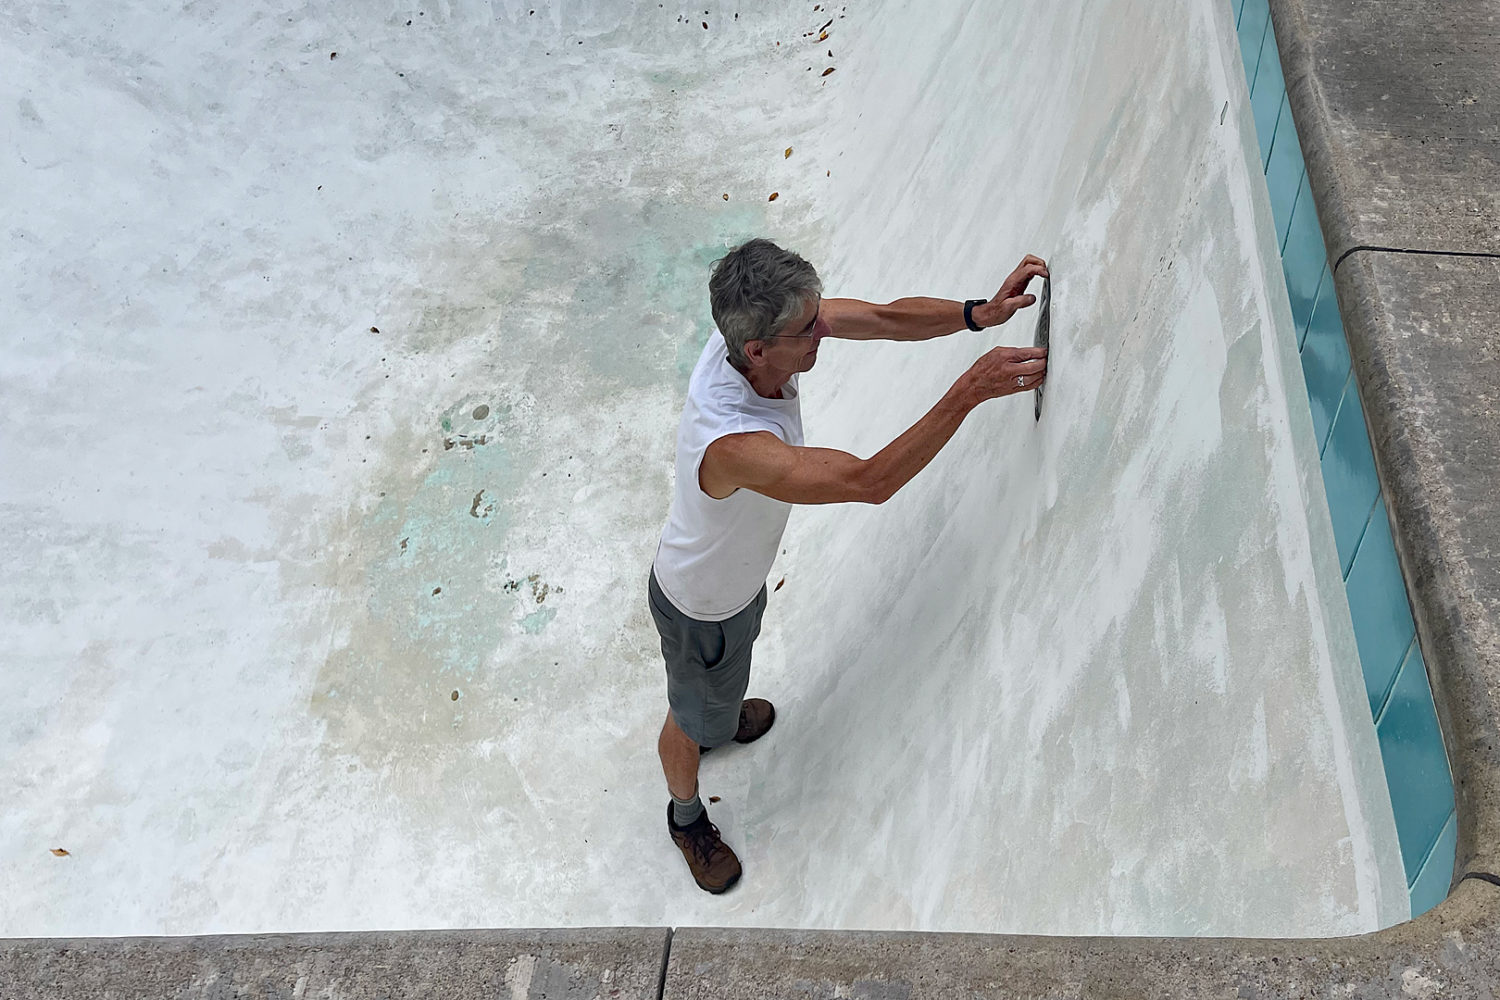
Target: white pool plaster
x,y
309,625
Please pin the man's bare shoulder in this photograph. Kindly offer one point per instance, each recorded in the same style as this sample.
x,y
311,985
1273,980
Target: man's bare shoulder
x,y
729,461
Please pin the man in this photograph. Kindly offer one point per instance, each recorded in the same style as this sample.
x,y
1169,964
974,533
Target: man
x,y
741,464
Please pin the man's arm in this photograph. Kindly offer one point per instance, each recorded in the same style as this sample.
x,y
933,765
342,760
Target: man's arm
x,y
762,462
915,318
922,318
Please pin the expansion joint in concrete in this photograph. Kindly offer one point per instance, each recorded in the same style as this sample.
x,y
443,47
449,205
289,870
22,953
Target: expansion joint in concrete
x,y
666,954
1411,250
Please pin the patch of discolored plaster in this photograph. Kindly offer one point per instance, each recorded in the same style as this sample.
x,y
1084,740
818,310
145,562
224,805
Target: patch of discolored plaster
x,y
537,620
608,292
409,599
559,318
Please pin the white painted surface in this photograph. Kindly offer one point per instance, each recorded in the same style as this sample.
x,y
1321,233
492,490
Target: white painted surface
x,y
1088,676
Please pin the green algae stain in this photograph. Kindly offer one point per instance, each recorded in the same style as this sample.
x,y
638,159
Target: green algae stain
x,y
417,601
537,620
679,286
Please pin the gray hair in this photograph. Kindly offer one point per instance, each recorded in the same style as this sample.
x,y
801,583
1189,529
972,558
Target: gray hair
x,y
755,290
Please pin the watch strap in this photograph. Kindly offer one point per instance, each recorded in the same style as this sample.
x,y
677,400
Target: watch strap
x,y
969,313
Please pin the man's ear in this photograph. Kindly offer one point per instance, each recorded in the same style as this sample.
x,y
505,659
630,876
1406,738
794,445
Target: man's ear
x,y
755,352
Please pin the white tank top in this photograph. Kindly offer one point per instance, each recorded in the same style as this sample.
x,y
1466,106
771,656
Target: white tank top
x,y
714,554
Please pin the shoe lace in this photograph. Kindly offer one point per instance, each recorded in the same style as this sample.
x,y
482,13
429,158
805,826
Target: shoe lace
x,y
703,842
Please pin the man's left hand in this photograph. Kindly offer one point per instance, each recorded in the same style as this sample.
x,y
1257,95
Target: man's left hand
x,y
1012,294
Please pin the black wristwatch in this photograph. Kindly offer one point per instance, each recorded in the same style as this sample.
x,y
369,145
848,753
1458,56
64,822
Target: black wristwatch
x,y
969,313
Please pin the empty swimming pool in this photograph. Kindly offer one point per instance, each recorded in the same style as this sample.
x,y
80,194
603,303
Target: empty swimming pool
x,y
343,364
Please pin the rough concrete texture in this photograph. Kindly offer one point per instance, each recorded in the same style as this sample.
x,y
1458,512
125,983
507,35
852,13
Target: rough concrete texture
x,y
1425,339
614,963
1450,953
1398,106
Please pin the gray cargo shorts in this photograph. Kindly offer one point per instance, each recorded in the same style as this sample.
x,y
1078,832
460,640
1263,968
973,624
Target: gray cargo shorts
x,y
708,665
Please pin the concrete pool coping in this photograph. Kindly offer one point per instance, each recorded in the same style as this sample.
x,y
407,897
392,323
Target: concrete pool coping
x,y
1398,107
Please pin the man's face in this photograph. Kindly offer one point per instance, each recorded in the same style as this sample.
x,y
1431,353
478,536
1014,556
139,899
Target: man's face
x,y
794,348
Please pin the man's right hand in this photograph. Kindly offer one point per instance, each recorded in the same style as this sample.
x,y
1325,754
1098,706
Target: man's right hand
x,y
1007,370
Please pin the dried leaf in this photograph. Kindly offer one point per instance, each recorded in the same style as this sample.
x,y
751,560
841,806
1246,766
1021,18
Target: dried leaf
x,y
60,852
787,153
726,196
823,36
827,71
774,196
779,585
712,799
374,329
454,696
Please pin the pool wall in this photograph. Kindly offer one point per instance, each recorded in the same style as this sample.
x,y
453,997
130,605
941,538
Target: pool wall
x,y
1411,744
1093,674
1396,105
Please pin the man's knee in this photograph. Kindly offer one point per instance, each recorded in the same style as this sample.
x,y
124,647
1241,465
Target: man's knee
x,y
671,732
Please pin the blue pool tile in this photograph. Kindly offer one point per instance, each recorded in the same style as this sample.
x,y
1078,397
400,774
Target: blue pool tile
x,y
1267,93
1349,476
1411,747
1383,628
1431,885
1254,19
1303,249
1284,172
1323,279
1302,258
1268,63
1325,361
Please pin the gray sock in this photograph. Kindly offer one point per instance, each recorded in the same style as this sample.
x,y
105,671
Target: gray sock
x,y
685,811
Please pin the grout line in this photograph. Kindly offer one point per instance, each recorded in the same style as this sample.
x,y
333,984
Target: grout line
x,y
1452,817
1390,686
1291,213
1338,408
1259,48
1363,531
1427,253
666,953
1265,168
1323,273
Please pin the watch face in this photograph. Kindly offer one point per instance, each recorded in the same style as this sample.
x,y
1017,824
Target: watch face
x,y
1043,333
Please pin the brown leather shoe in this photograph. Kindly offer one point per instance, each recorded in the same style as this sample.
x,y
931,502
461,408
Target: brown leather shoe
x,y
757,716
714,866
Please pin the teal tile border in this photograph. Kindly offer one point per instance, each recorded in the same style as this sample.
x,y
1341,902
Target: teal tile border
x,y
1383,626
1411,741
1431,884
1411,747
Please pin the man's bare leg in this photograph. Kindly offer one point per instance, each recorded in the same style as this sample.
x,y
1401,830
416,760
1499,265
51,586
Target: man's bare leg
x,y
679,760
714,866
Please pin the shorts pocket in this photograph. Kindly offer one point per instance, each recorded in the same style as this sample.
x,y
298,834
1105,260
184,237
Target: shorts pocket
x,y
711,644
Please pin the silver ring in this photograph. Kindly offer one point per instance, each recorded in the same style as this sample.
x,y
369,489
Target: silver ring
x,y
1020,380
